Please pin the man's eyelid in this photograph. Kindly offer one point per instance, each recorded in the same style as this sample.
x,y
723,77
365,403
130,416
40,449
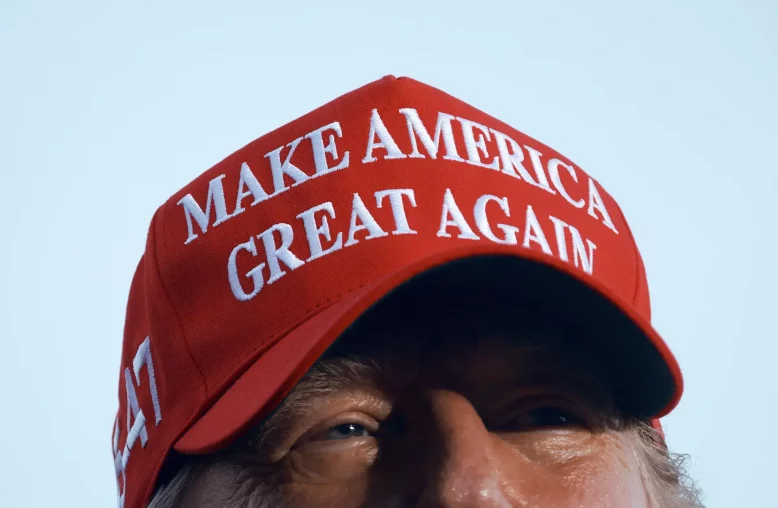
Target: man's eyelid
x,y
370,424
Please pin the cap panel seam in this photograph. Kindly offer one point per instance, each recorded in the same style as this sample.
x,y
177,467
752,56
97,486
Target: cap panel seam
x,y
633,250
158,253
157,221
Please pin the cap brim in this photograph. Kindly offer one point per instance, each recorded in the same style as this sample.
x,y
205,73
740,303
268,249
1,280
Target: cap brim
x,y
648,375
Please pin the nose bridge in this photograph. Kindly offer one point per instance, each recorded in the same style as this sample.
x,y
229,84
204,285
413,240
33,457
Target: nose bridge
x,y
465,473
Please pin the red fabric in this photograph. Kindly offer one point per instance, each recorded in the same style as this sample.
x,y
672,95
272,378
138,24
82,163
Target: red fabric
x,y
203,339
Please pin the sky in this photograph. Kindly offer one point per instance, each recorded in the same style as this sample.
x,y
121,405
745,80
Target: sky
x,y
108,108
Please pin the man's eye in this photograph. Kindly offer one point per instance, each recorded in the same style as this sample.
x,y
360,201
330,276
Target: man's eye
x,y
549,415
544,416
346,431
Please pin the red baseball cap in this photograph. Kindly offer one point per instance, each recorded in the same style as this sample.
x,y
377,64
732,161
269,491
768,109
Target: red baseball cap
x,y
253,270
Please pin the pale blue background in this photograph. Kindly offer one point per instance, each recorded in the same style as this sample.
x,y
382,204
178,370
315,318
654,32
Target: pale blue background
x,y
106,109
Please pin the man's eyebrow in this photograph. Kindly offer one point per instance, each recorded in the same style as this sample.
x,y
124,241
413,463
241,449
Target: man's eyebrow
x,y
333,373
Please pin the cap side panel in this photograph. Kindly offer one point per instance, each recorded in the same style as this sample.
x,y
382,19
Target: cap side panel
x,y
173,369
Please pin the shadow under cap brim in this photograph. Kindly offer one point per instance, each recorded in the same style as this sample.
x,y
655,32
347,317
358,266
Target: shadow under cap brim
x,y
647,379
